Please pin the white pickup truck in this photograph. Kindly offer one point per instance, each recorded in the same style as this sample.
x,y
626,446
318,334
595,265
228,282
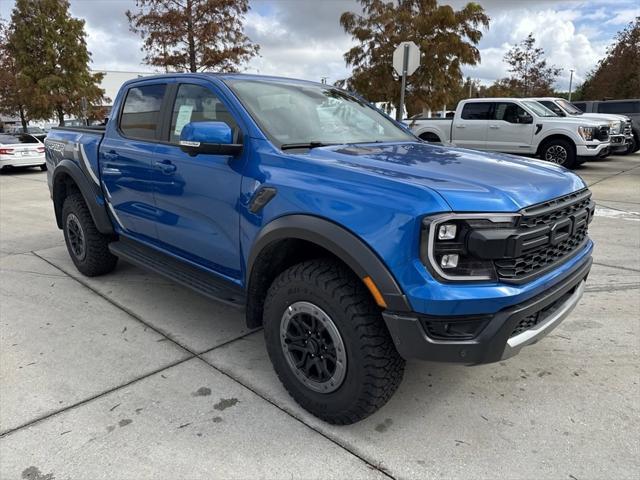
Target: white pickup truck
x,y
518,126
620,135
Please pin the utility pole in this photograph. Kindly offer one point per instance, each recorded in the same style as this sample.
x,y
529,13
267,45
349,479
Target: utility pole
x,y
470,87
570,82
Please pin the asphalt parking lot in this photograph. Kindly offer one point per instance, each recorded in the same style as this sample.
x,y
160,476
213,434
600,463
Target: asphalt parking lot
x,y
131,376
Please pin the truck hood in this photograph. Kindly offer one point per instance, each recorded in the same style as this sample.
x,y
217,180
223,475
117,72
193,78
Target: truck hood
x,y
468,180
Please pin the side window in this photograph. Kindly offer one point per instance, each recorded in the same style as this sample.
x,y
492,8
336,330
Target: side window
x,y
197,104
619,107
581,105
553,107
509,112
477,111
141,111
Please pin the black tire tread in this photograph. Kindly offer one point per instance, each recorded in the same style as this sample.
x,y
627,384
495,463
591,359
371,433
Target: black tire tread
x,y
384,366
99,260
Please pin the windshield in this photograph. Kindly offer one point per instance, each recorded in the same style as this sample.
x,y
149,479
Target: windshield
x,y
539,109
569,107
292,113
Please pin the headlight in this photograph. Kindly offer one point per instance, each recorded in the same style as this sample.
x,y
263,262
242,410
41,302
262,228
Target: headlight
x,y
587,133
445,241
616,127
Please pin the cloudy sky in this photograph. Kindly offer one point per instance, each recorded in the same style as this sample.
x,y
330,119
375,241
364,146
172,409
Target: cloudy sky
x,y
303,39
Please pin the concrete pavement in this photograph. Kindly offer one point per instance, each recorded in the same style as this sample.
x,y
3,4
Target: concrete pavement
x,y
131,376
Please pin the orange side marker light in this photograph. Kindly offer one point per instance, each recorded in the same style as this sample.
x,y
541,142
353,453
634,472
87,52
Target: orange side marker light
x,y
377,296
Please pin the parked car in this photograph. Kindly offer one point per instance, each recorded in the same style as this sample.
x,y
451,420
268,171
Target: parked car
x,y
354,247
21,150
629,108
37,132
620,133
518,126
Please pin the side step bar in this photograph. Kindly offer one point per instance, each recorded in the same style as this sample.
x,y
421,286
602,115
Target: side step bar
x,y
205,283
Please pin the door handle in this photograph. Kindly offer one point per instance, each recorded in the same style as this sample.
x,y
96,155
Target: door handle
x,y
113,172
494,126
166,166
459,126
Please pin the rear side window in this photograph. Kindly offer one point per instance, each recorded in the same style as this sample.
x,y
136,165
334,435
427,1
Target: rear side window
x,y
477,111
141,111
197,104
619,107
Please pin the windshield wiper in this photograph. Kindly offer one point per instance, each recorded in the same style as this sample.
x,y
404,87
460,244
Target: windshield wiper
x,y
314,144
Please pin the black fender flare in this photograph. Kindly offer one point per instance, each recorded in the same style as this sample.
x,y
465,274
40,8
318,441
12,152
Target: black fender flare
x,y
339,241
89,191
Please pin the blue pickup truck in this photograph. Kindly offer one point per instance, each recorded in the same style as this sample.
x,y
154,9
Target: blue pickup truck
x,y
351,242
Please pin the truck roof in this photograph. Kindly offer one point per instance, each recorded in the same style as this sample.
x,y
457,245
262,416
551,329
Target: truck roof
x,y
494,99
223,76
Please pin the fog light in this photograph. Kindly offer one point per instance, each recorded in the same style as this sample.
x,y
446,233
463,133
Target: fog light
x,y
447,231
449,261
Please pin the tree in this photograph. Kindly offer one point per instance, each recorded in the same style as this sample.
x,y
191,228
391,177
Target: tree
x,y
618,74
530,74
447,40
193,35
12,96
52,60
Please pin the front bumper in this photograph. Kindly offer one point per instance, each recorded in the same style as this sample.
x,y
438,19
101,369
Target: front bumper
x,y
619,143
593,150
502,334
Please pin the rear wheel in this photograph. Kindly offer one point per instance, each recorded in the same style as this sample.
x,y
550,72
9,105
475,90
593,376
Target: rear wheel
x,y
328,342
560,152
88,248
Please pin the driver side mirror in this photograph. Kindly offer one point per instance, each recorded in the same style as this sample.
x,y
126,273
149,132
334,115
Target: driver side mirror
x,y
214,138
525,119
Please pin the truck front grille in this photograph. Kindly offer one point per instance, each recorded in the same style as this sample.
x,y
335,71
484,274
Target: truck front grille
x,y
553,245
602,134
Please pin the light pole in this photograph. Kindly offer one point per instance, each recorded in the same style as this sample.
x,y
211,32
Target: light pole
x,y
570,82
323,80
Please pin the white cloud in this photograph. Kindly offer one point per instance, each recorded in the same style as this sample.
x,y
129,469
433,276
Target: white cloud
x,y
622,17
555,31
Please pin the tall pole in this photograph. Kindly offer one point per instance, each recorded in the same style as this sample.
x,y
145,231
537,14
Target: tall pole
x,y
470,86
405,66
570,82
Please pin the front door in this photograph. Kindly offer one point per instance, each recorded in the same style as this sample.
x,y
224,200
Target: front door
x,y
126,160
197,196
511,129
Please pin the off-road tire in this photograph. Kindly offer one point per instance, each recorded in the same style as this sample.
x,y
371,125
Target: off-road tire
x,y
374,369
570,150
97,259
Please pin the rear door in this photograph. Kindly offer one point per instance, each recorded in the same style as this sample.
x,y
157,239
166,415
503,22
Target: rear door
x,y
197,196
470,128
508,131
126,159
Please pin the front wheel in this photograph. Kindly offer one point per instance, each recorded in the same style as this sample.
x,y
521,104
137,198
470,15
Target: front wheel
x,y
88,248
560,152
328,342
